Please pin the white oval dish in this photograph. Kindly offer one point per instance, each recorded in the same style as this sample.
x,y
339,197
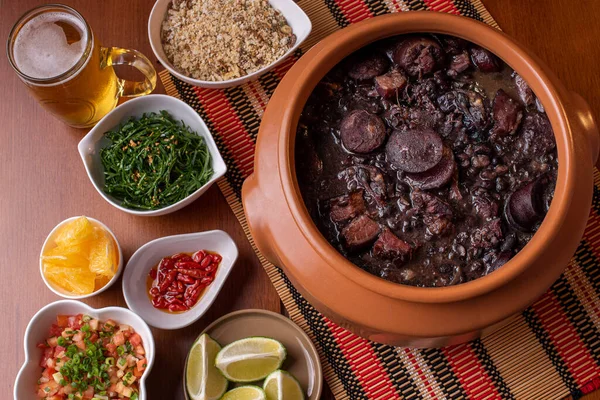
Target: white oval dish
x,y
59,291
295,16
37,332
90,146
150,254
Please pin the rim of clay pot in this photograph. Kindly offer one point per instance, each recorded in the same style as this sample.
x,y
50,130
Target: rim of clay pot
x,y
325,55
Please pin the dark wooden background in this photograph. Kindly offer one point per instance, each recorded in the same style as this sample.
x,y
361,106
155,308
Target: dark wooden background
x,y
42,180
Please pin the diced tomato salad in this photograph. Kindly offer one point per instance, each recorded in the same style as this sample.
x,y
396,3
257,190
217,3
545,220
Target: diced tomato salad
x,y
84,358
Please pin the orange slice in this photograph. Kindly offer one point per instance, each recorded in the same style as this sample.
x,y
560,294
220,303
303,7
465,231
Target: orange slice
x,y
76,231
102,256
75,280
75,255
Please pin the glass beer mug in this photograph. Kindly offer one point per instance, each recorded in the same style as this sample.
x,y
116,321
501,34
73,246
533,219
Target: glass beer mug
x,y
55,53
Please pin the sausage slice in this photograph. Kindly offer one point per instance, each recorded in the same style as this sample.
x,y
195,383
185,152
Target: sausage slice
x,y
368,66
437,176
362,132
415,150
419,55
525,208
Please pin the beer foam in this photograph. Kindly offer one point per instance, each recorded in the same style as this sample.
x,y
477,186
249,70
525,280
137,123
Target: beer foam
x,y
41,49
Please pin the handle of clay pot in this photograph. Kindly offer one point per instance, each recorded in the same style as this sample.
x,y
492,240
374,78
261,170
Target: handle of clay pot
x,y
254,208
586,120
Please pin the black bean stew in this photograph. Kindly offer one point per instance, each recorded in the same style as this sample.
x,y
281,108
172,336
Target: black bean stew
x,y
426,160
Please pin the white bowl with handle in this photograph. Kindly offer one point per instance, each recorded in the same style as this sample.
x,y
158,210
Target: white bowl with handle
x,y
37,332
90,146
294,15
149,255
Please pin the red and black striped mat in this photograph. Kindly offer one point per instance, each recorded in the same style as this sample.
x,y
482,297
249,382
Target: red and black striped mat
x,y
550,351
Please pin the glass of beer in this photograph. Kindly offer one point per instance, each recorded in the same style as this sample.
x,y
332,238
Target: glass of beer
x,y
55,53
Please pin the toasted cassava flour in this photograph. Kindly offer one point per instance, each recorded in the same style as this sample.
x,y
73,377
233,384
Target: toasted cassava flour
x,y
218,40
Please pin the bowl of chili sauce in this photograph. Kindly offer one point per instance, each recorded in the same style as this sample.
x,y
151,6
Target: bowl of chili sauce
x,y
179,281
172,281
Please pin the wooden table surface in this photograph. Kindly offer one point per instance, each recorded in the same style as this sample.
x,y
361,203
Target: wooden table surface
x,y
43,180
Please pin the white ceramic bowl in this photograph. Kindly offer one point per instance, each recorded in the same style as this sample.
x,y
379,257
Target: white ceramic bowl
x,y
150,254
296,19
48,243
37,331
90,146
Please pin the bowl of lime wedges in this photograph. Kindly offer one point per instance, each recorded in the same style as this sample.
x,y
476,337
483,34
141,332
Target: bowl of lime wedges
x,y
253,355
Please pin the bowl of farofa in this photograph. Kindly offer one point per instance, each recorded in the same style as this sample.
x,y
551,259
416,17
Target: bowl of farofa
x,y
224,43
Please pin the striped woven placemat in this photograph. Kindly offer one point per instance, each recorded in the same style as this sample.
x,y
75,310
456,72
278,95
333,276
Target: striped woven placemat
x,y
550,351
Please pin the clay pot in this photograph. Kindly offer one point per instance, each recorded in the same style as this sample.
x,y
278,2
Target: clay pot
x,y
398,314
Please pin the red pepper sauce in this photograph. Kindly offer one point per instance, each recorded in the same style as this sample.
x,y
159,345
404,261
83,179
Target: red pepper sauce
x,y
178,281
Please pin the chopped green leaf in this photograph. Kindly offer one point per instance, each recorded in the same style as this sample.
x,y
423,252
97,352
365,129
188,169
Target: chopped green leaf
x,y
154,161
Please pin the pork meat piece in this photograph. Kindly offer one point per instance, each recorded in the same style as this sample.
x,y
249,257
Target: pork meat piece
x,y
360,232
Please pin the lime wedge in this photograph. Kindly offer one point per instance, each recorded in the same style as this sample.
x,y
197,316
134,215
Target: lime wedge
x,y
281,385
245,393
250,359
203,380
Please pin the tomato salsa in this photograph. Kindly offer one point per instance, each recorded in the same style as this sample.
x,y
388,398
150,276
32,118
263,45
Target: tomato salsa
x,y
178,281
84,358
